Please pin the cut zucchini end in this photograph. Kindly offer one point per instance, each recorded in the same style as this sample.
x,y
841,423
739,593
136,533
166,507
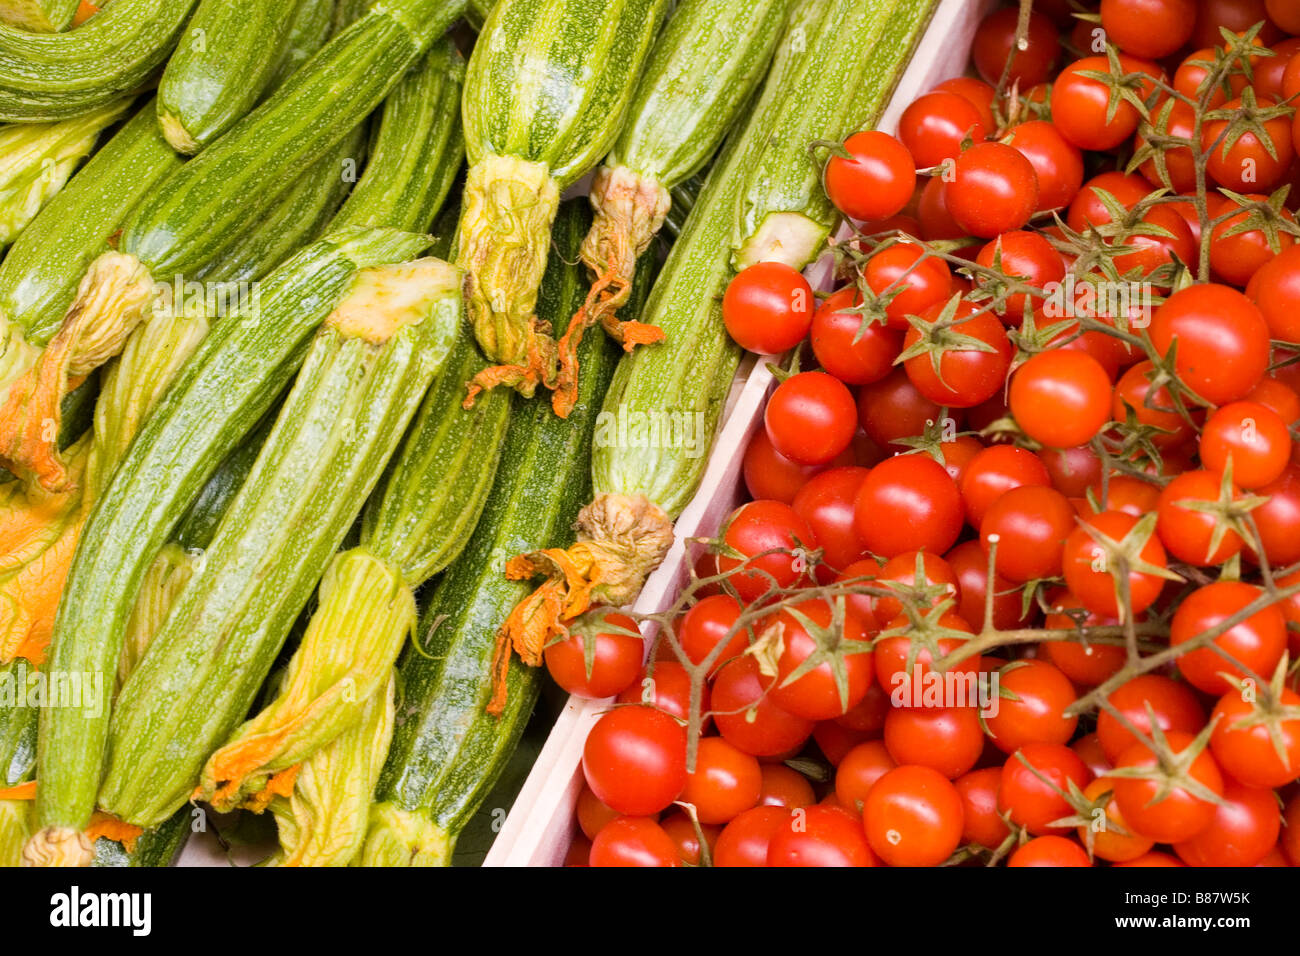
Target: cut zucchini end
x,y
398,837
58,846
386,299
788,237
175,133
503,242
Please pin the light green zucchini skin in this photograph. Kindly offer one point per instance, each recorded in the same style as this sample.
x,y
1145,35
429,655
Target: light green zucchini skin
x,y
417,149
310,28
43,16
834,89
17,727
702,70
477,12
299,216
36,160
221,67
224,390
48,76
40,274
198,211
348,410
447,751
550,81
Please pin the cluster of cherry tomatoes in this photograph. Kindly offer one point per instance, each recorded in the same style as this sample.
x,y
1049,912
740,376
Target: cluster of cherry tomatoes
x,y
1101,504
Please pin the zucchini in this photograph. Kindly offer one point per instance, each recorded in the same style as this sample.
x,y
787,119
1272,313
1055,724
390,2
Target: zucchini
x,y
40,274
362,381
477,11
311,26
36,160
299,216
704,68
158,847
838,88
15,827
417,149
43,16
223,391
680,386
548,85
54,76
447,751
222,66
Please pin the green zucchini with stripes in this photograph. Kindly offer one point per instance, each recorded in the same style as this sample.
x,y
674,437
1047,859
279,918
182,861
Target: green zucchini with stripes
x,y
548,85
841,88
49,76
40,274
447,750
223,64
417,148
362,381
676,391
704,68
237,374
308,31
36,160
43,16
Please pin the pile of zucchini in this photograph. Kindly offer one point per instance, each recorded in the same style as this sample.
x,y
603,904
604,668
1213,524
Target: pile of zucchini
x,y
265,520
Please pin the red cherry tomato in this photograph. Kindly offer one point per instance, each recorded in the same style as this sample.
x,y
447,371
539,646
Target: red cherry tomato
x,y
914,282
1029,800
1166,811
1253,437
875,180
995,42
725,783
1148,28
768,308
1050,851
826,504
933,127
908,503
1030,525
994,189
855,351
635,760
1258,642
744,841
913,817
1175,706
633,841
811,418
810,639
1222,338
741,692
1034,710
1057,162
615,662
758,527
1081,105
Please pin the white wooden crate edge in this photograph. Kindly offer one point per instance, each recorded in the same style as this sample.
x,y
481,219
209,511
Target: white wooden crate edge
x,y
538,830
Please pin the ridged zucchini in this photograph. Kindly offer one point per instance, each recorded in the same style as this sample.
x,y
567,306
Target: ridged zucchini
x,y
841,87
477,11
36,160
704,68
416,150
40,274
547,88
677,389
223,64
49,76
365,373
308,32
224,390
447,751
43,16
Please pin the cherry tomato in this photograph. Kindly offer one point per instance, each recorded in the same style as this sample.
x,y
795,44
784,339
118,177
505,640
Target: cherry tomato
x,y
1278,519
934,125
1257,642
1158,239
1236,256
1148,28
1175,705
902,570
958,372
1164,810
1177,120
914,282
755,528
913,817
1222,338
1243,739
1027,798
1075,471
826,504
892,672
1247,165
1277,293
784,787
1236,15
1057,162
946,739
970,564
811,418
768,308
994,189
809,640
1284,14
681,831
820,836
1050,851
592,814
977,91
1081,105
769,474
1189,533
859,770
635,760
993,472
706,625
1114,840
1030,525
893,408
875,180
1029,258
995,42
739,691
908,503
744,841
615,661
1253,437
1034,711
855,351
1087,566
725,783
667,689
1244,830
633,841
1086,664
1127,189
981,822
1061,397
1151,407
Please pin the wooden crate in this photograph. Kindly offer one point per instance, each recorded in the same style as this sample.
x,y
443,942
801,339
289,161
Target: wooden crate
x,y
538,830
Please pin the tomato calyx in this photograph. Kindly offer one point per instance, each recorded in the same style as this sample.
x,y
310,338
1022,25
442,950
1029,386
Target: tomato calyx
x,y
1121,85
1267,709
830,647
940,337
1123,557
1248,117
1231,510
1262,216
1172,770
